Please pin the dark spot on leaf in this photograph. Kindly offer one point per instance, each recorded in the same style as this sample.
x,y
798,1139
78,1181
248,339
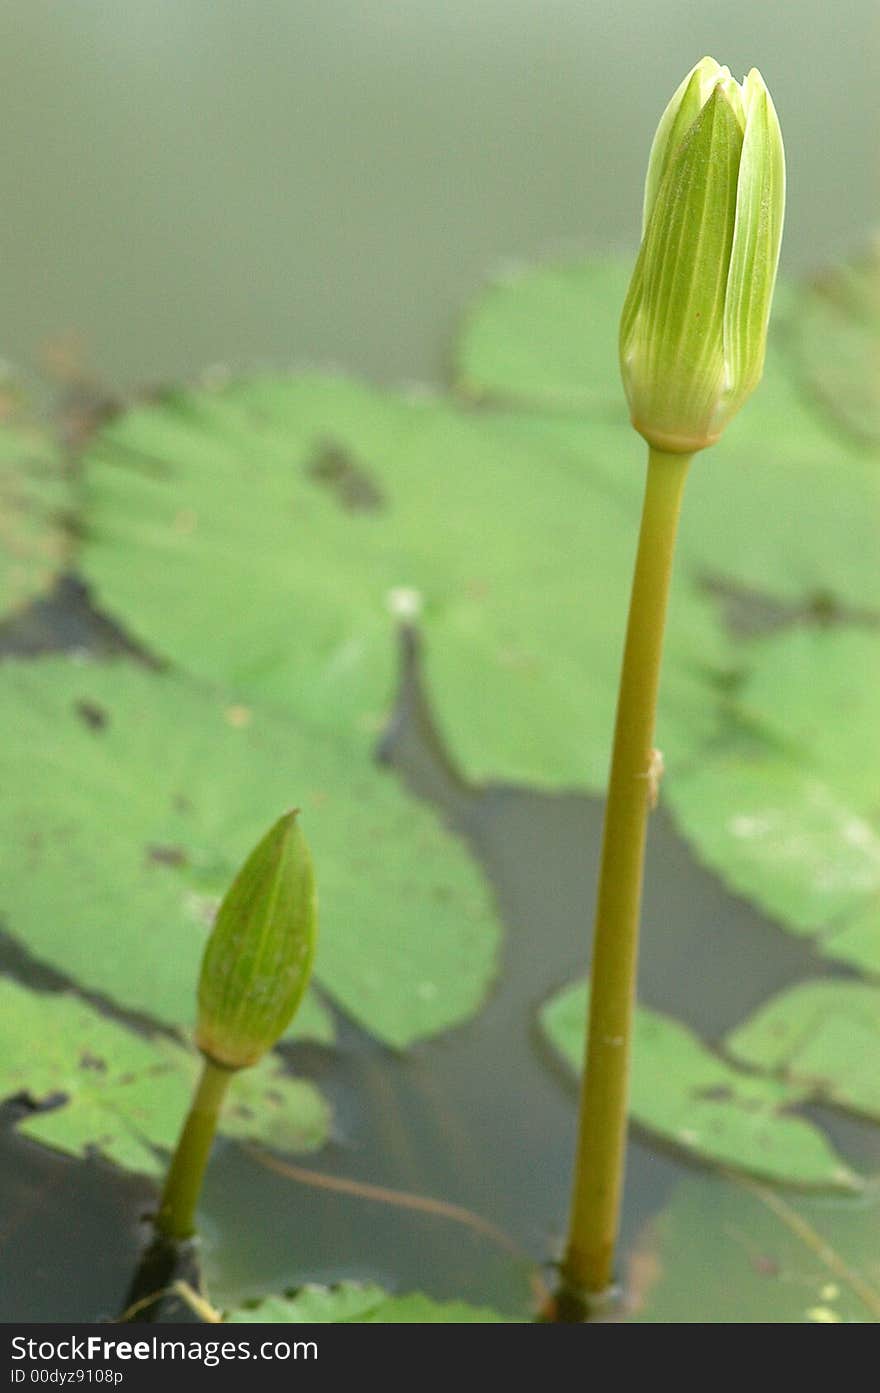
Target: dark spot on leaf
x,y
91,1061
346,478
166,855
127,1078
94,716
718,1093
242,1110
182,804
842,308
748,613
273,1096
765,1266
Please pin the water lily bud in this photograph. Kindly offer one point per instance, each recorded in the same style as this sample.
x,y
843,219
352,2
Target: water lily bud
x,y
694,326
259,956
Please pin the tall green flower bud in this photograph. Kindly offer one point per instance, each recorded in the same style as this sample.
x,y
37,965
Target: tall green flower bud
x,y
259,956
694,326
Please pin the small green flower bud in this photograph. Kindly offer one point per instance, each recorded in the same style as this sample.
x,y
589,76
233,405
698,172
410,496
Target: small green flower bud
x,y
694,326
258,958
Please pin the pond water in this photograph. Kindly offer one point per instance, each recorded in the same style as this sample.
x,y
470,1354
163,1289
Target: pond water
x,y
187,183
329,182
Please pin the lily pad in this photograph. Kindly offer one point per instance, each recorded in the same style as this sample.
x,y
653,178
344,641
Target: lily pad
x,y
352,1302
824,1036
125,1095
784,503
259,536
690,1097
836,336
131,799
783,837
33,501
814,691
547,336
793,820
725,1253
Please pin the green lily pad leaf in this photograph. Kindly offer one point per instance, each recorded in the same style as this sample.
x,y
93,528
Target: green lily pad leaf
x,y
125,1095
724,1253
547,337
350,1301
837,341
784,838
794,822
822,1035
703,1105
815,692
131,801
302,510
313,1021
346,1301
858,940
33,499
783,504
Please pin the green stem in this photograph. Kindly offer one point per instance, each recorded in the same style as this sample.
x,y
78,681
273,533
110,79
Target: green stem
x,y
587,1268
177,1207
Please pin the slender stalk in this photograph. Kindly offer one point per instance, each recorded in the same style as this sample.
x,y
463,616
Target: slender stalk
x,y
587,1267
176,1216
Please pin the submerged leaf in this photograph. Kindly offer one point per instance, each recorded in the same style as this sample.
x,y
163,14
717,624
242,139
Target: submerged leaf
x,y
726,1253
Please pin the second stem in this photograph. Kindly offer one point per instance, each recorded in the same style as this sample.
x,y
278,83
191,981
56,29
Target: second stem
x,y
587,1267
177,1207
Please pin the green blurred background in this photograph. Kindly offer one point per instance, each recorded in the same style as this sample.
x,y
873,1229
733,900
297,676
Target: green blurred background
x,y
328,181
